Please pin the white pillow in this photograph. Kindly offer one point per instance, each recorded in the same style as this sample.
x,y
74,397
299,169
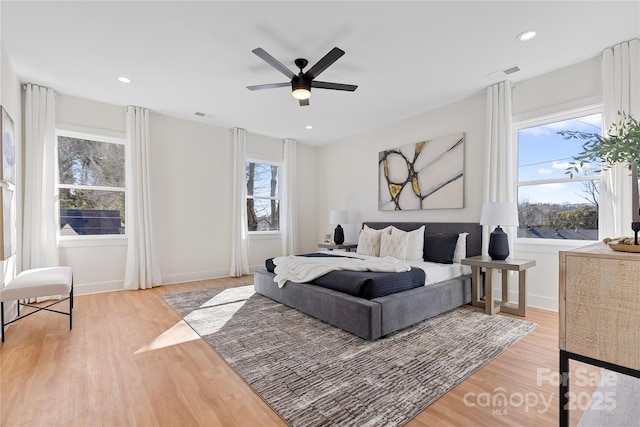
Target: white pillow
x,y
415,243
393,246
461,248
387,229
369,240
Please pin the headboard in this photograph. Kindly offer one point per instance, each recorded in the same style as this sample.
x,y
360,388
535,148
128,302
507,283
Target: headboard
x,y
474,239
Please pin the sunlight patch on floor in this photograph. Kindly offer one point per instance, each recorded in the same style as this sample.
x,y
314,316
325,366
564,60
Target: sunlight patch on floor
x,y
179,333
209,320
236,294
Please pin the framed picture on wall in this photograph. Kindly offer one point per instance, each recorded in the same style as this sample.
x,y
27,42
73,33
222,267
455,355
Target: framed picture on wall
x,y
425,175
6,201
8,148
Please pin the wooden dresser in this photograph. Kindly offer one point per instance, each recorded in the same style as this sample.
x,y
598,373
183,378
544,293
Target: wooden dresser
x,y
599,308
599,304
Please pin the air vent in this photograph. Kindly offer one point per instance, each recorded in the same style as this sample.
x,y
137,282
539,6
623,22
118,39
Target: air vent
x,y
500,74
512,70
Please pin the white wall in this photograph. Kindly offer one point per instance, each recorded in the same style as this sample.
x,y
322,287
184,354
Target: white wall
x,y
191,159
349,168
10,100
97,265
191,167
266,246
575,86
307,193
350,173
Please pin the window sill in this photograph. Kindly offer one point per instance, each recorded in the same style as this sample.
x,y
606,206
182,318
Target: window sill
x,y
91,241
265,235
549,245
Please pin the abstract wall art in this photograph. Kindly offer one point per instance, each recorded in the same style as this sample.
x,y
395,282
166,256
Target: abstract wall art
x,y
8,148
6,201
425,175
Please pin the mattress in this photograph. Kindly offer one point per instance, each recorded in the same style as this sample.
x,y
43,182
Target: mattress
x,y
370,285
436,273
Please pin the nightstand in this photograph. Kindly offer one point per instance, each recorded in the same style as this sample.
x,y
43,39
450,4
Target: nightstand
x,y
349,247
513,264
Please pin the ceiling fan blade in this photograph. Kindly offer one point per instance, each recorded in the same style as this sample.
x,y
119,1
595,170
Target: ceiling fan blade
x,y
269,86
324,63
335,86
273,62
304,102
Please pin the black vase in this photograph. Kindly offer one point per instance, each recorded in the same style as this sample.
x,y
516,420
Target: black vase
x,y
498,245
338,236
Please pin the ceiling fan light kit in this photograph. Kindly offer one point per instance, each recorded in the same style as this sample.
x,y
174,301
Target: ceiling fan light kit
x,y
300,89
301,93
302,83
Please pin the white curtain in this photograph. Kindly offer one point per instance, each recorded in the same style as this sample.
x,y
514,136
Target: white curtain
x,y
239,229
620,92
499,160
288,215
41,209
142,271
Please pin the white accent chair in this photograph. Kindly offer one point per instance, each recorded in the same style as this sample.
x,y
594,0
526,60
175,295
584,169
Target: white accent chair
x,y
38,282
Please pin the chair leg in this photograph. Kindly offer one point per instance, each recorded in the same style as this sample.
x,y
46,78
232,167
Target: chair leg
x,y
71,306
2,318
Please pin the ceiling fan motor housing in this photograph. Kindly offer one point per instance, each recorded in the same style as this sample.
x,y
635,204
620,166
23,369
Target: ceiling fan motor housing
x,y
299,82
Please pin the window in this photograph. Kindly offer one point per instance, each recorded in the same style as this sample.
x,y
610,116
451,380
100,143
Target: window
x,y
91,184
263,196
551,204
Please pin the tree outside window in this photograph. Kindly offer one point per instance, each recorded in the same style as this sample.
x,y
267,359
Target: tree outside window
x,y
91,185
263,196
552,204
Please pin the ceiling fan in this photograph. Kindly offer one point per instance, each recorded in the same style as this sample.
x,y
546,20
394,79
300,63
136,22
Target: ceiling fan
x,y
302,83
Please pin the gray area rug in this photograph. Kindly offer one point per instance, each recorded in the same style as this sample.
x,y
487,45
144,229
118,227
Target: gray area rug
x,y
313,374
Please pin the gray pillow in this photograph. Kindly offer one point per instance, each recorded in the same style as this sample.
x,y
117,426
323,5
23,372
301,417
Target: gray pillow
x,y
440,247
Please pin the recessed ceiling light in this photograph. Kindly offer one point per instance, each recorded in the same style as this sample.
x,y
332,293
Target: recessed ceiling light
x,y
308,127
124,79
526,35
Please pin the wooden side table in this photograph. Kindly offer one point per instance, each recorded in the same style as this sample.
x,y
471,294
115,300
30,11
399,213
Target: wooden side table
x,y
349,247
520,265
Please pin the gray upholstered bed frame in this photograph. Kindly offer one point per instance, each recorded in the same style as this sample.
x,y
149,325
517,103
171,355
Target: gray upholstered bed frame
x,y
372,319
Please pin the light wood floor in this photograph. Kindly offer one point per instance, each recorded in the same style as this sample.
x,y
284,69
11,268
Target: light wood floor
x,y
131,361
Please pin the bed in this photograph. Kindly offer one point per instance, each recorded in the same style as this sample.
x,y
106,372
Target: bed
x,y
376,317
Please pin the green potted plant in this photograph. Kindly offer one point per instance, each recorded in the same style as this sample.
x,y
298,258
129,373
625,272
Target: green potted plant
x,y
621,145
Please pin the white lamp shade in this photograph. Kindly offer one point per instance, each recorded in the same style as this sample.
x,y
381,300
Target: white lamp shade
x,y
499,213
338,217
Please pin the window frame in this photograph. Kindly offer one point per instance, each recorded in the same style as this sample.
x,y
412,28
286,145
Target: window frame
x,y
280,165
100,135
544,119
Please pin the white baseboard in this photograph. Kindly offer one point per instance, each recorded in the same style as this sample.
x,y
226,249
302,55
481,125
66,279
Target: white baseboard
x,y
536,301
544,303
254,268
97,288
169,279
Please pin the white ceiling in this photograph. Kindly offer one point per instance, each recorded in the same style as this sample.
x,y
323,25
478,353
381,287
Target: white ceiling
x,y
406,57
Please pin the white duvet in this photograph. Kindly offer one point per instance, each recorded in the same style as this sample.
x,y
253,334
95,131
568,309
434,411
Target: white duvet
x,y
304,269
301,269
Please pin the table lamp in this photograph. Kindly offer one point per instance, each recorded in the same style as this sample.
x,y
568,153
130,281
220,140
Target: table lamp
x,y
338,217
499,213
